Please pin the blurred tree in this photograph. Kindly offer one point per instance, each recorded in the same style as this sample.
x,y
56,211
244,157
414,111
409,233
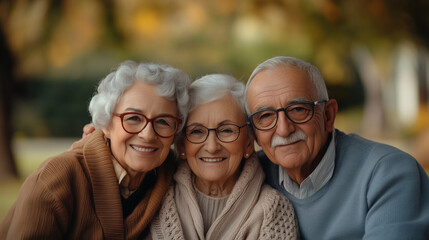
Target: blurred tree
x,y
7,163
79,39
8,46
36,36
347,36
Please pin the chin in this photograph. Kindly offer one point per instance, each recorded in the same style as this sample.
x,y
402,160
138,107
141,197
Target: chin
x,y
142,169
211,178
290,162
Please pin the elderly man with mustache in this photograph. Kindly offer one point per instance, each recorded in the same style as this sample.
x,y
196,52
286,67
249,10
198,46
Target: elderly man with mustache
x,y
342,186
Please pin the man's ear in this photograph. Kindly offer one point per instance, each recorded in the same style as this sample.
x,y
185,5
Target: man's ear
x,y
331,109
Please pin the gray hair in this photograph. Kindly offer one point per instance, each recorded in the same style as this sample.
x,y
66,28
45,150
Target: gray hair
x,y
171,83
311,70
212,87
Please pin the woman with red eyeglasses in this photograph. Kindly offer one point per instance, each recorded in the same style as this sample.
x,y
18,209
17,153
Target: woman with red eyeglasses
x,y
110,184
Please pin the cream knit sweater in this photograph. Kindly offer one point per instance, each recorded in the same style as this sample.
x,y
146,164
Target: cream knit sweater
x,y
253,210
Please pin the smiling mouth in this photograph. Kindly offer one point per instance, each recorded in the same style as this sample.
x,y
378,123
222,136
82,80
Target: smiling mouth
x,y
212,160
140,149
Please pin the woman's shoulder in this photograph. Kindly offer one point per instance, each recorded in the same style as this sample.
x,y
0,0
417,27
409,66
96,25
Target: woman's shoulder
x,y
279,215
275,198
276,206
58,168
51,183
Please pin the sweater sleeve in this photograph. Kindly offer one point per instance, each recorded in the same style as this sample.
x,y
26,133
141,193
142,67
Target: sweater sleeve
x,y
37,212
166,223
279,217
398,199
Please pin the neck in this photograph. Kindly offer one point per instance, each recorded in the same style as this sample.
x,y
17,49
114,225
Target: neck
x,y
216,188
300,174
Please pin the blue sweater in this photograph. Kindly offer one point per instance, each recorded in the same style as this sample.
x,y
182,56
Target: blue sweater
x,y
376,192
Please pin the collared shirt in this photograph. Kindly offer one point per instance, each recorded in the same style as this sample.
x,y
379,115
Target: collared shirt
x,y
123,179
316,180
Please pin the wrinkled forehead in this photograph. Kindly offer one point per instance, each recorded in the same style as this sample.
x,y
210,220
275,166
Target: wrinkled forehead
x,y
278,87
222,110
282,74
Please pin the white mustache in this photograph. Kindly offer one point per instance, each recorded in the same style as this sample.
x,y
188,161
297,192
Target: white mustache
x,y
294,137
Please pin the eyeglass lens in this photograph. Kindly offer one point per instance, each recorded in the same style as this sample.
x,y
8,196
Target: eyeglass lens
x,y
164,126
297,113
199,133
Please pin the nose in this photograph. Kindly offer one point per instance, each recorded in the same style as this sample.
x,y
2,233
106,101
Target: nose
x,y
284,126
148,133
212,144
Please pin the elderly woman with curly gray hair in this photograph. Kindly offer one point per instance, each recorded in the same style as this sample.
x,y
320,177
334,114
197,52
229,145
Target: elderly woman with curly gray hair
x,y
111,184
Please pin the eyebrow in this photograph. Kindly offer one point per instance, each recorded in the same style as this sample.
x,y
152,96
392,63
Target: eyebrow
x,y
224,122
227,121
295,100
133,110
264,108
299,100
140,111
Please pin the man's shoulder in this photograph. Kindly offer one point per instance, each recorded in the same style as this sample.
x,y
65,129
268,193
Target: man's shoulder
x,y
358,144
357,153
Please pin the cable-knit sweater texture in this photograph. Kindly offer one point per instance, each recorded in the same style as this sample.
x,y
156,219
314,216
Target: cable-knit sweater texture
x,y
253,210
75,195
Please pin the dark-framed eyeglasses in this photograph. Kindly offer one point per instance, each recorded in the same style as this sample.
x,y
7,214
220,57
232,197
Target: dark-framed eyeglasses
x,y
197,133
298,112
163,125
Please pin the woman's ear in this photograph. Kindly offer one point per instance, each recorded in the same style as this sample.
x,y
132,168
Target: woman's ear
x,y
331,109
250,144
179,146
181,152
106,131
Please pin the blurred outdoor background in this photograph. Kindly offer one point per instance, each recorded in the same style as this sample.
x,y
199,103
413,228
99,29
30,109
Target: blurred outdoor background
x,y
374,55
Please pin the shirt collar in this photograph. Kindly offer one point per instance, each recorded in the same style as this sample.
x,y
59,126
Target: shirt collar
x,y
316,180
123,179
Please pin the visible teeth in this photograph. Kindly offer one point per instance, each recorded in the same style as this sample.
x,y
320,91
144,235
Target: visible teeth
x,y
212,159
143,149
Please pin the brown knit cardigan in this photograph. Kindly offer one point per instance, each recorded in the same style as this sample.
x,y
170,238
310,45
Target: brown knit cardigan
x,y
75,195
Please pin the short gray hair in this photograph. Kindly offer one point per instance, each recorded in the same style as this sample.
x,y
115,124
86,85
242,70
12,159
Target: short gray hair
x,y
212,87
279,61
171,83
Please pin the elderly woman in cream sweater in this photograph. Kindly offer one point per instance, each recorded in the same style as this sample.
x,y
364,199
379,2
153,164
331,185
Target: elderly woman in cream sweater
x,y
218,190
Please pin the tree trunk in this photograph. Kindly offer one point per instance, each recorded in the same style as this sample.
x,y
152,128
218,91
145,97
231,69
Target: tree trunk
x,y
373,114
7,162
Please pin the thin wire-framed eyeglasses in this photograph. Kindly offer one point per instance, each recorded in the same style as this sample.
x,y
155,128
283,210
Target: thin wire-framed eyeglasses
x,y
163,125
298,112
197,133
